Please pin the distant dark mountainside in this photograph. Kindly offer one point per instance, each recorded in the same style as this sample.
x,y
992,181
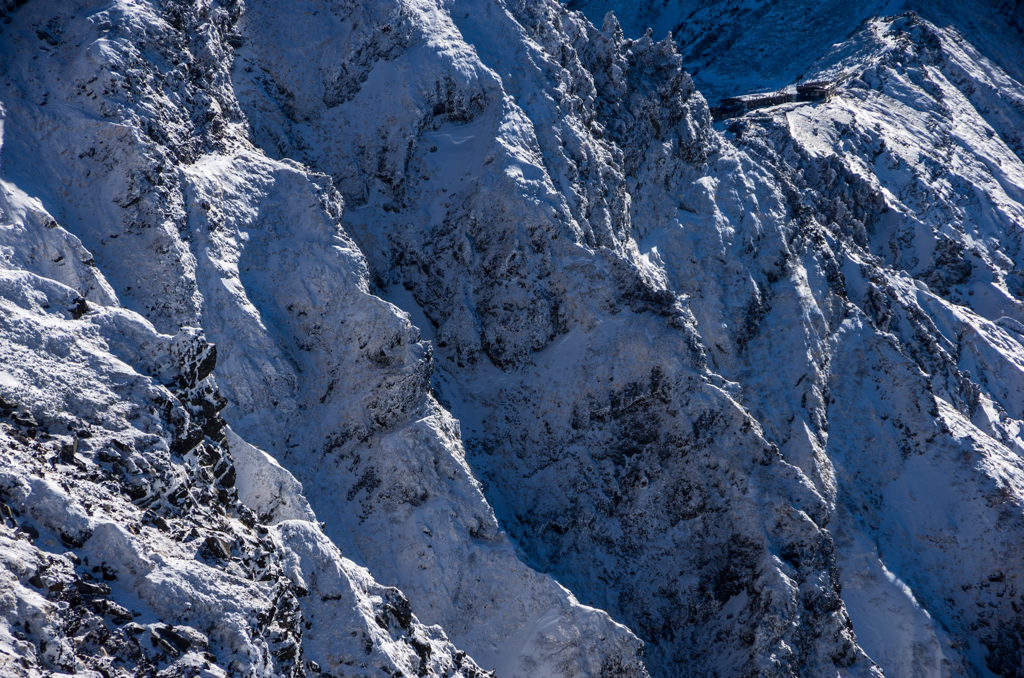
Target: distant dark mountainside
x,y
740,46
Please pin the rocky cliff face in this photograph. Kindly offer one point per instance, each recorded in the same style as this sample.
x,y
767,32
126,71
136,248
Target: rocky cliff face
x,y
578,382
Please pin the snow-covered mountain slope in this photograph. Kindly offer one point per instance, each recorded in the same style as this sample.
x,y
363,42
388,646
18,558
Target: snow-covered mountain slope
x,y
195,226
478,212
579,384
128,547
921,201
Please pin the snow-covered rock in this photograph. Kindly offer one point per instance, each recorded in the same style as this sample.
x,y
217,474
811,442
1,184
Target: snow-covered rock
x,y
578,382
125,549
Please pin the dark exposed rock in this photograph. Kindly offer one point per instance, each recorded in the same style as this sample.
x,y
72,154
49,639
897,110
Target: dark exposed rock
x,y
218,547
79,309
